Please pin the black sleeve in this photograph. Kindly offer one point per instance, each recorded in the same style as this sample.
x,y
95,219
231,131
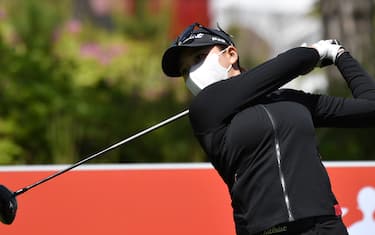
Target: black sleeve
x,y
358,111
216,104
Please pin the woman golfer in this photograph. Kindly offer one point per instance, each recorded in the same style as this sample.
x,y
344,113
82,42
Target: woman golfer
x,y
261,139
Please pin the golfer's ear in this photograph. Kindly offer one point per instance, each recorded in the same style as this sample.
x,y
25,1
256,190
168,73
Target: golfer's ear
x,y
232,51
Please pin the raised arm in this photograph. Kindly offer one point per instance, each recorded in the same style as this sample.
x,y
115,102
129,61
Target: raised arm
x,y
359,81
358,111
220,101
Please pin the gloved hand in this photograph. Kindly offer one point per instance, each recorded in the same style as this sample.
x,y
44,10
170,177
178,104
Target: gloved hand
x,y
329,51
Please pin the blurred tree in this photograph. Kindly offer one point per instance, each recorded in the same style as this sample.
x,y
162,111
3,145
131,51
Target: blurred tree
x,y
33,84
97,11
68,89
352,22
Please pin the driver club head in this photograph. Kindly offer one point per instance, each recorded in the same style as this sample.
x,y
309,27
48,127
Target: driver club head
x,y
8,205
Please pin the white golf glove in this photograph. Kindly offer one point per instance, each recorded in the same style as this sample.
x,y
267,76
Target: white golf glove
x,y
329,51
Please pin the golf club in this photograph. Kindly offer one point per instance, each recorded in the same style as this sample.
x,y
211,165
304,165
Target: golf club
x,y
8,202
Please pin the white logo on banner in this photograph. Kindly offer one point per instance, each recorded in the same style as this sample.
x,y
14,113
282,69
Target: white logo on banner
x,y
366,204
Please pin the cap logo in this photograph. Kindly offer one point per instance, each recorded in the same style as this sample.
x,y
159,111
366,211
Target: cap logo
x,y
193,36
217,39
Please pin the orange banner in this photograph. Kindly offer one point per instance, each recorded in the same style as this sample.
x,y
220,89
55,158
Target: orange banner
x,y
354,187
155,199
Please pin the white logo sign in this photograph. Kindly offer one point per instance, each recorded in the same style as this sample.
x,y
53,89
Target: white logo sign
x,y
366,204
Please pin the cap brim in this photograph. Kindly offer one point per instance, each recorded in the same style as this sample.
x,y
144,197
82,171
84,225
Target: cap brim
x,y
171,62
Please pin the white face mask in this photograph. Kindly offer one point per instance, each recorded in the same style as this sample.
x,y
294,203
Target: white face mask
x,y
206,72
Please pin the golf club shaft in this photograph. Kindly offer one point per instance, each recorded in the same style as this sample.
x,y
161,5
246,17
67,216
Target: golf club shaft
x,y
116,145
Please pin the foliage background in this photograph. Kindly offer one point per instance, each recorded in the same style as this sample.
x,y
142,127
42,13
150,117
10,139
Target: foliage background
x,y
72,84
69,88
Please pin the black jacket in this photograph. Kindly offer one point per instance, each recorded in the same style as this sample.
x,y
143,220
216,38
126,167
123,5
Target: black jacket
x,y
261,139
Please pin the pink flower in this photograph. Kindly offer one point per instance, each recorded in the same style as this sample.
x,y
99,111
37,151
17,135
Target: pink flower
x,y
104,55
74,26
3,14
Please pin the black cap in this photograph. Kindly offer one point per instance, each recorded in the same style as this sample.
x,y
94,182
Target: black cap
x,y
171,62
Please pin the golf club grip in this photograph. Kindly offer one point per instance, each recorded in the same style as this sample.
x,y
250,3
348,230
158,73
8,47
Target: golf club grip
x,y
116,145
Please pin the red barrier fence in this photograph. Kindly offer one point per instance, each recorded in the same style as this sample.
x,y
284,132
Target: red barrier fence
x,y
156,199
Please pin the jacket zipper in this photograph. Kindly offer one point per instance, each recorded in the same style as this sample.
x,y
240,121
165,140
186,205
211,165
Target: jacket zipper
x,y
278,156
